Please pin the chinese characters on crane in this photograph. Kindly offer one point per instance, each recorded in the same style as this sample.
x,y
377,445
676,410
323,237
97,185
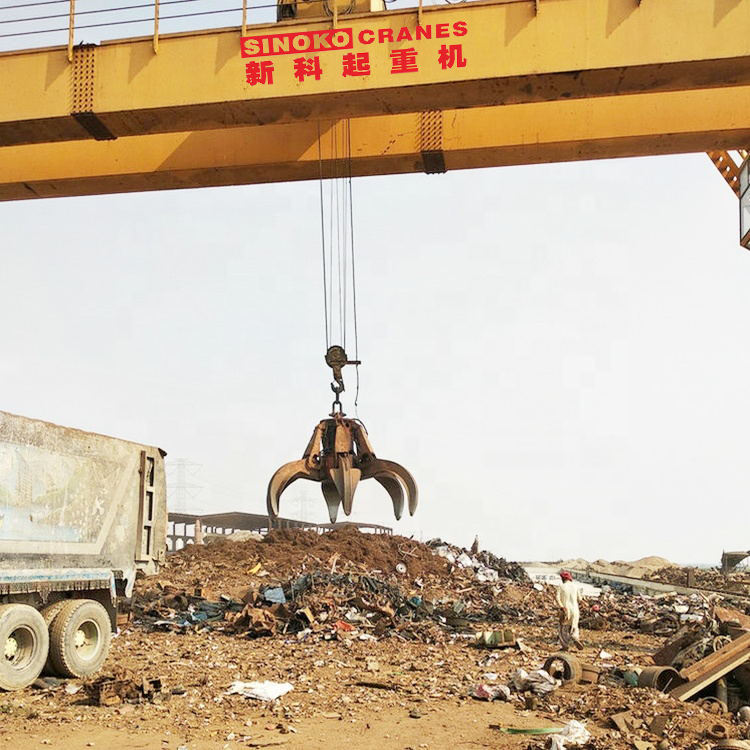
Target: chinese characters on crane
x,y
351,64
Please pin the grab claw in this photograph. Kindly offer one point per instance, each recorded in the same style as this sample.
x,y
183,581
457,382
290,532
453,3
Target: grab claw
x,y
338,456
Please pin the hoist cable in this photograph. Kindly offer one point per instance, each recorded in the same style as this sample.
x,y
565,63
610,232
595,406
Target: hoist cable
x,y
331,239
340,209
336,222
337,248
323,240
354,275
345,230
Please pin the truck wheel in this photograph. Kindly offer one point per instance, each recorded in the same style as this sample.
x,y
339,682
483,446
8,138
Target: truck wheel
x,y
24,641
79,638
49,613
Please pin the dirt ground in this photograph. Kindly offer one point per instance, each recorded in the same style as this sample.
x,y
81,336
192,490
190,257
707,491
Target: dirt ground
x,y
465,725
420,701
369,663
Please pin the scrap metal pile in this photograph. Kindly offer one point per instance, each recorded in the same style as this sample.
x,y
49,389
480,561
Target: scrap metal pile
x,y
734,582
661,615
263,638
488,566
304,584
684,675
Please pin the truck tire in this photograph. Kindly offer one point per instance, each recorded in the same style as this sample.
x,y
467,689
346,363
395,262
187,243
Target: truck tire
x,y
25,642
49,613
79,638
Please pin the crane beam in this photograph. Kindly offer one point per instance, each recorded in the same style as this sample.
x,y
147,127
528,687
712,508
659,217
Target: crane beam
x,y
511,52
605,127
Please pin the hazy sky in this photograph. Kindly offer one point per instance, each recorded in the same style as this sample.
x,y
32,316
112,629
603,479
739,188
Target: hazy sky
x,y
558,353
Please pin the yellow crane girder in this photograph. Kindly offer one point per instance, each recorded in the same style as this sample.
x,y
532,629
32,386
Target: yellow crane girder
x,y
604,127
511,52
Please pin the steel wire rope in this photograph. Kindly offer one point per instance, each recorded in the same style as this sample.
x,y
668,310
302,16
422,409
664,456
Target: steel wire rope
x,y
354,275
89,12
138,20
337,228
335,236
124,23
330,234
104,10
146,5
334,239
323,238
32,5
339,249
344,233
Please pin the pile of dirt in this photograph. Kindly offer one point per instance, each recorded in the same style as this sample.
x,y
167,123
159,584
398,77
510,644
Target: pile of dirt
x,y
293,581
363,627
645,567
230,567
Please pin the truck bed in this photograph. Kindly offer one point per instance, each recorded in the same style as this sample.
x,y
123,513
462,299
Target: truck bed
x,y
77,509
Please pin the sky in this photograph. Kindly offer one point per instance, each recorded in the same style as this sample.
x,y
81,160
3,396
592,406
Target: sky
x,y
558,353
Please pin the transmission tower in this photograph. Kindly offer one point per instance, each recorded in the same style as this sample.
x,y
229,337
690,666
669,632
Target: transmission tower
x,y
304,503
182,491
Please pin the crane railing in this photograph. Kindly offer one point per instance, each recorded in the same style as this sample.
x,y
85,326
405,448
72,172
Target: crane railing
x,y
44,23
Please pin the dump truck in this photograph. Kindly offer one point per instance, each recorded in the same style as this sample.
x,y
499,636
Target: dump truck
x,y
80,515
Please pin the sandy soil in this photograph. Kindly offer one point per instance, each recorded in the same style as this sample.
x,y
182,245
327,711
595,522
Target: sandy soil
x,y
466,725
408,686
427,705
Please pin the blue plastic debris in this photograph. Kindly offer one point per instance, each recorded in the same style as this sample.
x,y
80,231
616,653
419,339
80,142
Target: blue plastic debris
x,y
274,595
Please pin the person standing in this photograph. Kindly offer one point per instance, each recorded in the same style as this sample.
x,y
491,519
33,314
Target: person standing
x,y
475,546
568,596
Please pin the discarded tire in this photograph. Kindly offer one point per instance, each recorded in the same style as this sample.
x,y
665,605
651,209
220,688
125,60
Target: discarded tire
x,y
24,641
712,705
662,679
564,667
79,638
717,732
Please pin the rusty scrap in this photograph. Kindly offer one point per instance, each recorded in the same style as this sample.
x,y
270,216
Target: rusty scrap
x,y
708,670
564,667
660,678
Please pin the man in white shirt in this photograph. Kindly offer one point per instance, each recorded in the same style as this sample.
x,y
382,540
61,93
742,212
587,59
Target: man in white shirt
x,y
568,596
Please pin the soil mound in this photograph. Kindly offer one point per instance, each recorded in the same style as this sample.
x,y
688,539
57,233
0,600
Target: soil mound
x,y
225,567
642,568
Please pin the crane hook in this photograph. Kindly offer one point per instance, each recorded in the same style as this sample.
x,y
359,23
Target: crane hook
x,y
336,358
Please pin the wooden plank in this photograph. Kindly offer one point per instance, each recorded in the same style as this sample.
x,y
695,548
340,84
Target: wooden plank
x,y
705,665
716,671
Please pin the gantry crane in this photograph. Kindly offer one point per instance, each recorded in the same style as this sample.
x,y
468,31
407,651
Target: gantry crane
x,y
737,176
458,86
